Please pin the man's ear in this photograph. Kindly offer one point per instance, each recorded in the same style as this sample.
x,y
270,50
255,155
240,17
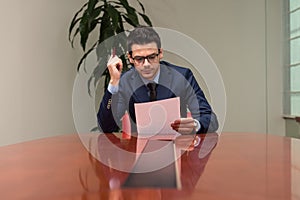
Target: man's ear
x,y
161,55
129,58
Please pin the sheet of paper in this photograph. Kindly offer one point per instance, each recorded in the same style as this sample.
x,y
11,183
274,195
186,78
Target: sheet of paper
x,y
155,118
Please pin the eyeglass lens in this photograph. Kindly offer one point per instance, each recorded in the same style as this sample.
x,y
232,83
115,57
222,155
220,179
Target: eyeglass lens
x,y
141,59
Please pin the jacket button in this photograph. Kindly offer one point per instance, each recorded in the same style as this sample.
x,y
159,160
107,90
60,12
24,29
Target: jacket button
x,y
109,104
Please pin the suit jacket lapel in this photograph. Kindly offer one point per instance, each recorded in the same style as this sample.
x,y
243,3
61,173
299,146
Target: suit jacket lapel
x,y
140,91
165,80
163,90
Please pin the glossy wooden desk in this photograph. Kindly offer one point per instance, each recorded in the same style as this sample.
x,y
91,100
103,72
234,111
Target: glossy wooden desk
x,y
240,166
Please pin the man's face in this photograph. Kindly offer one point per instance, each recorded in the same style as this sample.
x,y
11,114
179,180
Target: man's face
x,y
147,68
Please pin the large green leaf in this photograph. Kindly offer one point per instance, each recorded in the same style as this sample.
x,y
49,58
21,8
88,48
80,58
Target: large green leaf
x,y
129,21
86,54
87,24
131,13
111,15
96,75
84,29
124,3
146,19
72,40
142,6
106,29
114,15
91,5
75,20
101,51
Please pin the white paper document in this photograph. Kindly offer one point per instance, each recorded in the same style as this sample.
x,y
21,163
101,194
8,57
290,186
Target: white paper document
x,y
155,118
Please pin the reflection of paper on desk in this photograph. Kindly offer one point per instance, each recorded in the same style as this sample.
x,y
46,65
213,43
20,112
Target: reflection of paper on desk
x,y
155,117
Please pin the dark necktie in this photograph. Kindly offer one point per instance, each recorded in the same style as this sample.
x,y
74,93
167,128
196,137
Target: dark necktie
x,y
152,89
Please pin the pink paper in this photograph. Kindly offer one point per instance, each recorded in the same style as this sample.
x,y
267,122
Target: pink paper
x,y
155,118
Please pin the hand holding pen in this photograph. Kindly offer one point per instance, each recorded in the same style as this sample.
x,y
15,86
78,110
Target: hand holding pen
x,y
115,67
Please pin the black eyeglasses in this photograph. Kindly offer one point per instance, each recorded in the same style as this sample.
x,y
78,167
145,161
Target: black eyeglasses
x,y
152,58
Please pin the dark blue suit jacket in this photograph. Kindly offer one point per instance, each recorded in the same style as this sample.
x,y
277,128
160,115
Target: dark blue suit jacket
x,y
174,81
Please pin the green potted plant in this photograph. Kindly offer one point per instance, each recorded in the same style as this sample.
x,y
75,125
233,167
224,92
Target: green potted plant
x,y
110,18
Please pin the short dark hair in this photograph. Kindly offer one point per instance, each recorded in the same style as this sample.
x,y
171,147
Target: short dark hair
x,y
142,35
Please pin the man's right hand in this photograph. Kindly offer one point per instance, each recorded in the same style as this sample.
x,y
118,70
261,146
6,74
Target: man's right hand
x,y
115,67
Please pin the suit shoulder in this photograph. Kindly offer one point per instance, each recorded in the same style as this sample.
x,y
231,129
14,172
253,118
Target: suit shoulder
x,y
182,70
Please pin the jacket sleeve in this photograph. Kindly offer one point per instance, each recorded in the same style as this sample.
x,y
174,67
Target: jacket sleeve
x,y
107,120
199,106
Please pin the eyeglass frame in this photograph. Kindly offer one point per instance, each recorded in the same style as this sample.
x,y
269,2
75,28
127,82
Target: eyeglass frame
x,y
144,58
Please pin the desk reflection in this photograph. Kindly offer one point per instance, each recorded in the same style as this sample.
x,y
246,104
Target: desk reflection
x,y
140,168
242,166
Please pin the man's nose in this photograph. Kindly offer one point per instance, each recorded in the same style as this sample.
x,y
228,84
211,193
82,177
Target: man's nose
x,y
146,62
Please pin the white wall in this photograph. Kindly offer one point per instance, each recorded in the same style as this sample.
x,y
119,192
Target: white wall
x,y
38,68
244,39
275,62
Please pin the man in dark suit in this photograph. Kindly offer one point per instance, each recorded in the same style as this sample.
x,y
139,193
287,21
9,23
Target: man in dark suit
x,y
151,79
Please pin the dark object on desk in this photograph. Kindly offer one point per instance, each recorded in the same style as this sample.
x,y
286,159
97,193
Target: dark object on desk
x,y
163,178
153,160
